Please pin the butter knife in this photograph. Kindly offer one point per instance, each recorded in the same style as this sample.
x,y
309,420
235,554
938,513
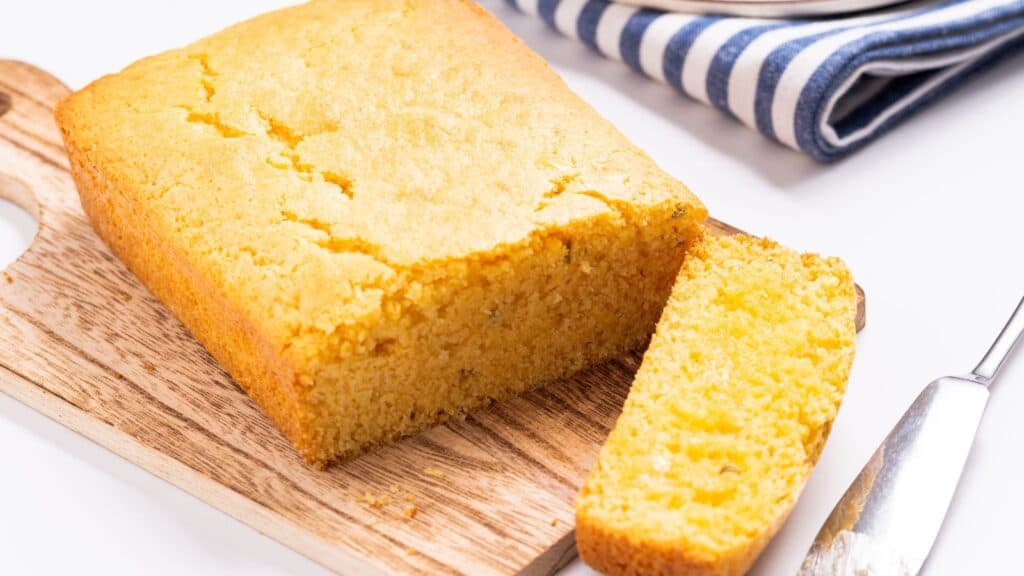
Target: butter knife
x,y
889,517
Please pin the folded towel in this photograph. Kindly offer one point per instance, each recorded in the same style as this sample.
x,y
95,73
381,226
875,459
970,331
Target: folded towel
x,y
824,86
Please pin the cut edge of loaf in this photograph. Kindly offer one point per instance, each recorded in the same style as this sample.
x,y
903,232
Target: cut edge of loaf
x,y
535,314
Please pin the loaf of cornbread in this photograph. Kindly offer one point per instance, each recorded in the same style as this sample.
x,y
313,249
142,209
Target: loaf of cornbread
x,y
378,214
727,415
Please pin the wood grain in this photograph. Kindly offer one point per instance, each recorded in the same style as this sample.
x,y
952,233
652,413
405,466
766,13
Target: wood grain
x,y
84,343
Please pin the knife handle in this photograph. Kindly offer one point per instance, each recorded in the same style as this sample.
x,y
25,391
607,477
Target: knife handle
x,y
996,356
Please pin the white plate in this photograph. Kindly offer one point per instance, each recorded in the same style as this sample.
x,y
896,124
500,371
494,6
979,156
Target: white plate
x,y
765,8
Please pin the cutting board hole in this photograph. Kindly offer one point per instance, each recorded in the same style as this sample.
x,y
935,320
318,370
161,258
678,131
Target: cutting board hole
x,y
18,223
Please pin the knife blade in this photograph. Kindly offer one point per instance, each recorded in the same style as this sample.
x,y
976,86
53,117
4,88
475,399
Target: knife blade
x,y
888,519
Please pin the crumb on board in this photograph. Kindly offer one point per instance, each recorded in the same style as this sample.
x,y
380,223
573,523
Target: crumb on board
x,y
148,366
410,550
554,521
433,472
374,501
408,497
409,512
393,488
126,297
8,278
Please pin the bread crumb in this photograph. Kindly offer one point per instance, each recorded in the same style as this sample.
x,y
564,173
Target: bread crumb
x,y
409,512
148,366
374,501
408,497
126,297
410,551
393,488
433,472
554,521
8,279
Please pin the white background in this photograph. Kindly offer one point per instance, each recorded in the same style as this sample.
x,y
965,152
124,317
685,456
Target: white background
x,y
928,219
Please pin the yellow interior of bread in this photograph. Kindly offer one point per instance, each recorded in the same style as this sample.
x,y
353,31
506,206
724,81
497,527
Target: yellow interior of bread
x,y
733,401
590,292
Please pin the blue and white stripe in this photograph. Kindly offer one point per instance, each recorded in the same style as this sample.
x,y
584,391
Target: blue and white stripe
x,y
823,86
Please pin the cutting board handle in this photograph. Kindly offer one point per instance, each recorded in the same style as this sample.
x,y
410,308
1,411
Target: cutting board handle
x,y
33,165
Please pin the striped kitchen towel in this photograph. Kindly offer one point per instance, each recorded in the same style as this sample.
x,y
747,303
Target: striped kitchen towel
x,y
824,86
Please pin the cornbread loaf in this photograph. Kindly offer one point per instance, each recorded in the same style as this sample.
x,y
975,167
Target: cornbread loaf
x,y
377,214
727,415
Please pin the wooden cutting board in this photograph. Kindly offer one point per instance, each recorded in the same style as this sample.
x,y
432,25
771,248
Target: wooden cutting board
x,y
84,343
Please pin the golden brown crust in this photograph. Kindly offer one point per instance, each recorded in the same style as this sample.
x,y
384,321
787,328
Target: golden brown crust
x,y
222,330
617,554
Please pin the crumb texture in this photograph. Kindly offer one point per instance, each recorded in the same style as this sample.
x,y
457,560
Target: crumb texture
x,y
375,222
727,415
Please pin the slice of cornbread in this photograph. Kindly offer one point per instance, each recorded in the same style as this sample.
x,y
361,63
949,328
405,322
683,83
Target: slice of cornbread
x,y
377,214
727,414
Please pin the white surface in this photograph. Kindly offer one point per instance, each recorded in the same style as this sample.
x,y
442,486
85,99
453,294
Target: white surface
x,y
928,218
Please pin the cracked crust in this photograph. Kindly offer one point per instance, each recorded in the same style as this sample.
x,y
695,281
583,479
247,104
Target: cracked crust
x,y
356,184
